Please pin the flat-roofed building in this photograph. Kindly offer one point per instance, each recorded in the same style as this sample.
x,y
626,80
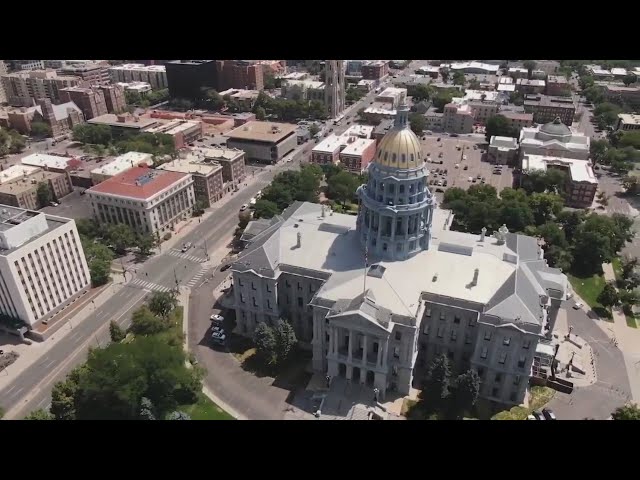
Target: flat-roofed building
x,y
393,96
207,176
457,118
525,85
303,90
357,154
554,139
148,200
630,95
475,67
154,75
628,121
91,101
558,86
245,98
266,142
19,186
327,151
25,89
582,183
546,109
42,266
124,123
184,132
232,161
518,72
374,69
361,131
120,164
47,162
503,150
517,119
93,73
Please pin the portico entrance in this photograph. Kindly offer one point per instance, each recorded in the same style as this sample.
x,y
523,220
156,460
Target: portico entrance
x,y
355,376
342,370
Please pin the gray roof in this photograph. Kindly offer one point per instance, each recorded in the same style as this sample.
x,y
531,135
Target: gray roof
x,y
556,128
61,111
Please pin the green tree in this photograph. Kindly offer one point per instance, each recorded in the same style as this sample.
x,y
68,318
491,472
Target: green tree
x,y
442,99
39,414
608,297
419,92
559,257
181,104
121,236
630,297
44,194
40,130
630,139
342,186
115,332
466,390
417,122
286,340
629,79
631,185
570,221
261,114
17,142
177,415
530,65
500,126
313,130
629,265
444,73
627,412
162,303
590,251
146,242
545,206
598,149
63,395
100,271
459,78
265,340
144,322
265,209
553,235
436,389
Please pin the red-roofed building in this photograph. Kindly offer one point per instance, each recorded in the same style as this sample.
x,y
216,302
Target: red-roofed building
x,y
148,200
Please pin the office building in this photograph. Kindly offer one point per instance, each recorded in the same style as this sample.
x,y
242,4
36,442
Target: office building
x,y
19,186
375,69
242,74
92,73
474,67
24,65
52,163
503,150
141,88
628,121
124,124
154,75
207,176
42,266
244,98
376,297
327,152
187,78
393,96
530,86
305,90
457,118
581,185
114,98
545,109
183,132
232,161
554,139
265,142
24,89
120,164
334,92
558,86
149,201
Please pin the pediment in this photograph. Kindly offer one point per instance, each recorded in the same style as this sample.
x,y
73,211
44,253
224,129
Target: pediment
x,y
358,321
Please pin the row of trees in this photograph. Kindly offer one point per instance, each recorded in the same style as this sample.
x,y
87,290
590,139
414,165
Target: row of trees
x,y
146,100
289,110
100,139
500,126
439,97
11,142
620,152
574,240
444,396
144,379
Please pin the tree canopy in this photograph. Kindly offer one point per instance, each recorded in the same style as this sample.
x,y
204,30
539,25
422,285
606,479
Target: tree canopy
x,y
627,412
500,126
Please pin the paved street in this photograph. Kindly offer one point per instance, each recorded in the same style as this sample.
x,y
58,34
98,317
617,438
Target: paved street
x,y
612,388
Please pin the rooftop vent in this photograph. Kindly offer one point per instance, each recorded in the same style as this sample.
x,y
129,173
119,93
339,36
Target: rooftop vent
x,y
376,271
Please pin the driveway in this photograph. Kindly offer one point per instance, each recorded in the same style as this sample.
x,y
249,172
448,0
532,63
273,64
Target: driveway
x,y
612,388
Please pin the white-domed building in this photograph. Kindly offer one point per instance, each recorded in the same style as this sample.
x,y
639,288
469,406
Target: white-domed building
x,y
554,139
377,296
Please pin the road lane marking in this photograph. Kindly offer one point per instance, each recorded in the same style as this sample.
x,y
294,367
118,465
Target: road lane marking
x,y
50,363
17,392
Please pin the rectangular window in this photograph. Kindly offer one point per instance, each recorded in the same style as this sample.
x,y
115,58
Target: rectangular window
x,y
268,288
521,361
526,344
255,302
456,320
269,304
503,358
253,286
451,354
242,298
442,316
240,282
426,328
506,341
440,332
398,335
516,380
428,312
467,338
300,301
487,335
454,335
396,352
484,352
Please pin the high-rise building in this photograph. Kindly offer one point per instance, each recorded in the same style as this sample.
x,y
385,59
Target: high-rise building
x,y
240,74
114,98
376,297
334,92
42,265
186,78
94,73
154,75
24,89
90,100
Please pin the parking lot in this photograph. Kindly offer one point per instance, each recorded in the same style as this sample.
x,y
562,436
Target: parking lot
x,y
452,156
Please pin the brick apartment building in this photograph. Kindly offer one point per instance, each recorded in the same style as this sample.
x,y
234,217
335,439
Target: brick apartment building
x,y
19,186
232,161
24,89
93,73
241,74
518,119
374,70
114,98
558,86
207,177
545,109
90,100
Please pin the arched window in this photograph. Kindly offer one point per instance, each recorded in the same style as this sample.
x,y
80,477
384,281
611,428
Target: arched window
x,y
411,157
386,156
404,158
393,159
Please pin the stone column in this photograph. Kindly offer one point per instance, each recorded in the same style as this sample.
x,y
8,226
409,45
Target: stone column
x,y
336,340
385,354
350,344
380,227
379,362
364,350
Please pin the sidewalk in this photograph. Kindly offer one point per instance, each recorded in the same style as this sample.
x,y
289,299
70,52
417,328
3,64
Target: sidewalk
x,y
30,354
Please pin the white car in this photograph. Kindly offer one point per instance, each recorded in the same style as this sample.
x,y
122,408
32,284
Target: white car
x,y
259,194
218,337
216,318
252,201
578,305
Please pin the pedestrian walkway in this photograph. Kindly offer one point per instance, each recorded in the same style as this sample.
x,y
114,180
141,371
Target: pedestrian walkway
x,y
197,277
148,286
177,253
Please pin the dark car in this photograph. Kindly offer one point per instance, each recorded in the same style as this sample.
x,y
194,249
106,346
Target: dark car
x,y
225,267
538,415
453,135
438,139
548,414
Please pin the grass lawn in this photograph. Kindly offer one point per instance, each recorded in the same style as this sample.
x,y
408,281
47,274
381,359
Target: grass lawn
x,y
617,268
588,288
631,321
538,398
205,409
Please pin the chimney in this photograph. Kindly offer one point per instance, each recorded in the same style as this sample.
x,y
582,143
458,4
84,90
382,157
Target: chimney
x,y
476,272
299,240
483,232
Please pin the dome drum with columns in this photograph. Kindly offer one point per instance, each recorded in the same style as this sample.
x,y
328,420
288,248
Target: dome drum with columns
x,y
396,207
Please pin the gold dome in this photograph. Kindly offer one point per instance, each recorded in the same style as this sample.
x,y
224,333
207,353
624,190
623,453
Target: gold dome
x,y
400,147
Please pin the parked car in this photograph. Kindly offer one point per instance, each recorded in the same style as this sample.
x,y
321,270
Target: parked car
x,y
186,246
440,155
466,167
438,139
453,134
444,184
538,415
578,305
216,318
218,338
244,207
54,204
548,414
439,190
225,267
